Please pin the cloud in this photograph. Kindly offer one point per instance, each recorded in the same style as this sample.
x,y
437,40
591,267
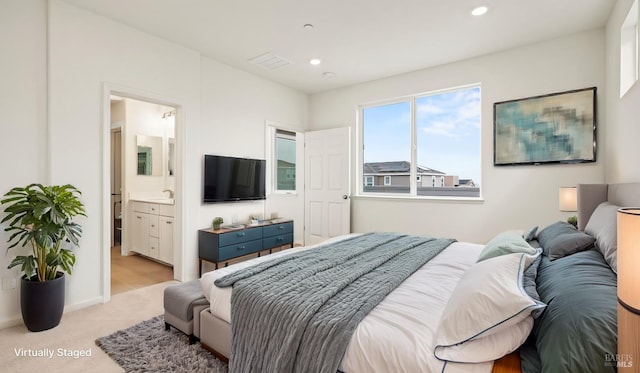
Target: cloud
x,y
447,129
449,114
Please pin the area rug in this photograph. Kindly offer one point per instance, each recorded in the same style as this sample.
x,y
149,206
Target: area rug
x,y
147,347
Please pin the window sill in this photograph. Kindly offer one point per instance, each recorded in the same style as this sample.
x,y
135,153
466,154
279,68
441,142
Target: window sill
x,y
280,193
469,200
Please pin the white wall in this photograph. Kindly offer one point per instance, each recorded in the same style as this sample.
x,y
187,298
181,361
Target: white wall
x,y
145,119
514,197
235,108
623,132
85,52
23,104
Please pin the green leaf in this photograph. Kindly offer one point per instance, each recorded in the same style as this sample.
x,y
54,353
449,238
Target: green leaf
x,y
42,217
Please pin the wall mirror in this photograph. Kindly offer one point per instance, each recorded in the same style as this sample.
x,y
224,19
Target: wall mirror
x,y
171,171
149,155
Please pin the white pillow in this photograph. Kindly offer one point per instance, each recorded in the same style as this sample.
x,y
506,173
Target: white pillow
x,y
506,243
489,313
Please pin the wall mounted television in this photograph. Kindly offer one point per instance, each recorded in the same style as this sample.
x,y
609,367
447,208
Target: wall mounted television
x,y
230,179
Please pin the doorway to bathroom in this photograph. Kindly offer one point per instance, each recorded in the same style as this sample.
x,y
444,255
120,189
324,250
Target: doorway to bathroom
x,y
142,176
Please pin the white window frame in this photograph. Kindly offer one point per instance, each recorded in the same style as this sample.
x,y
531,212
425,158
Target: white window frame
x,y
366,178
272,129
413,177
629,44
287,135
387,180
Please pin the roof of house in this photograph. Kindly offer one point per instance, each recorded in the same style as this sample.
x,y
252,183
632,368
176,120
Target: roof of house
x,y
396,167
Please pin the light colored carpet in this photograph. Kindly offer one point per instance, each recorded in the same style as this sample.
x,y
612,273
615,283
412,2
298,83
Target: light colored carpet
x,y
148,347
77,332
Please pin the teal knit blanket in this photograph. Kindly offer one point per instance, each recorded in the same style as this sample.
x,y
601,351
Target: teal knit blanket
x,y
297,313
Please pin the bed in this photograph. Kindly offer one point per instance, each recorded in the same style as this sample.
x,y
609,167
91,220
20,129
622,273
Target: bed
x,y
438,318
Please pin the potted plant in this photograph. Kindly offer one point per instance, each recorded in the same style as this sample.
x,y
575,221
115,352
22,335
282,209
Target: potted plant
x,y
42,217
217,221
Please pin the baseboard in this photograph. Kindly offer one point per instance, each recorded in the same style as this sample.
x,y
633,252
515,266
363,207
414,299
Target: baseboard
x,y
83,304
17,319
10,323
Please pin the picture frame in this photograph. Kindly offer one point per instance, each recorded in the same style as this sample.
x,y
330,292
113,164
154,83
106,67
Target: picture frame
x,y
553,128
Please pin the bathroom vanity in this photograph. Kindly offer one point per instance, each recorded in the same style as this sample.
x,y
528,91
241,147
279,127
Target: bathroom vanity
x,y
153,228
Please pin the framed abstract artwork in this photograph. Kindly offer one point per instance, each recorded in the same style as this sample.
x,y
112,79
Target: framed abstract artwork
x,y
554,128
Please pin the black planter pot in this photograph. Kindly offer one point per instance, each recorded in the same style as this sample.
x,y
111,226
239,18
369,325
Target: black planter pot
x,y
42,303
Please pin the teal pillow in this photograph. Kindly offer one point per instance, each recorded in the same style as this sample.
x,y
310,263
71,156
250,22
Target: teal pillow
x,y
506,243
562,239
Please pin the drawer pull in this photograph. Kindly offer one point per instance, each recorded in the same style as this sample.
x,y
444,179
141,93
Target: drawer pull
x,y
152,225
241,234
279,239
241,247
281,228
139,217
168,222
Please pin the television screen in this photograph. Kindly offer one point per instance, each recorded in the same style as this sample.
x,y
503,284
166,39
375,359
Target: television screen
x,y
233,179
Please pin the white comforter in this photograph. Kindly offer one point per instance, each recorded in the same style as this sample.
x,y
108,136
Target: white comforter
x,y
397,335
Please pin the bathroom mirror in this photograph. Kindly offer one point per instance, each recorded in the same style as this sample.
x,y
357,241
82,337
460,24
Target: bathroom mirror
x,y
149,155
172,157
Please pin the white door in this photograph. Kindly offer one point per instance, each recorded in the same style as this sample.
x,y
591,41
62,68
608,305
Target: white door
x,y
327,202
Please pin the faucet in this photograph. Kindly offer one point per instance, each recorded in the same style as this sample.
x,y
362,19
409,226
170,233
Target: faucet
x,y
170,192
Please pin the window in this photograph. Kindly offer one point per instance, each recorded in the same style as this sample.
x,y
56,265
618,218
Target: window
x,y
368,180
629,50
442,128
285,156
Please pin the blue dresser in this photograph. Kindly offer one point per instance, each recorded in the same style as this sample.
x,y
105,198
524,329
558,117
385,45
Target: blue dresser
x,y
222,245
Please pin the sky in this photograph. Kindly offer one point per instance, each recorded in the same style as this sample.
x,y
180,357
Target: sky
x,y
447,127
286,150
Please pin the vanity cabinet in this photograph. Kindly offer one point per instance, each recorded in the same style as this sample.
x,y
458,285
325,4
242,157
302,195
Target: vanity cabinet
x,y
153,230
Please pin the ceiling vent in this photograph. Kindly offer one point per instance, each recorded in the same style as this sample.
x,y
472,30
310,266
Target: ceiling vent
x,y
270,61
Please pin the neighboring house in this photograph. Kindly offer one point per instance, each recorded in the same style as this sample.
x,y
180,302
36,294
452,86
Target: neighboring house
x,y
286,175
466,183
396,174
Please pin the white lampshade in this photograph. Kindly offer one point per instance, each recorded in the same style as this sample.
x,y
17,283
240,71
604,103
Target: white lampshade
x,y
629,258
568,199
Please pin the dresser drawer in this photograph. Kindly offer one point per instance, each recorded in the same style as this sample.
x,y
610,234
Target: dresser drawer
x,y
244,248
275,241
153,225
244,235
277,229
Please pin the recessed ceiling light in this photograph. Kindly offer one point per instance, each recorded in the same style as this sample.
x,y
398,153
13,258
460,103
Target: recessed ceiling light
x,y
329,74
315,61
308,26
480,10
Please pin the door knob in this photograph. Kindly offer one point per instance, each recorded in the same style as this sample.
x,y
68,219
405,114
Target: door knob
x,y
344,196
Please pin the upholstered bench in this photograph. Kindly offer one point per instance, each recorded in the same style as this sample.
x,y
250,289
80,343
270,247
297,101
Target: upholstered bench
x,y
181,302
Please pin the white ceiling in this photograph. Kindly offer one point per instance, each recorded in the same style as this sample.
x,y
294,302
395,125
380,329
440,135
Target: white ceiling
x,y
358,40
